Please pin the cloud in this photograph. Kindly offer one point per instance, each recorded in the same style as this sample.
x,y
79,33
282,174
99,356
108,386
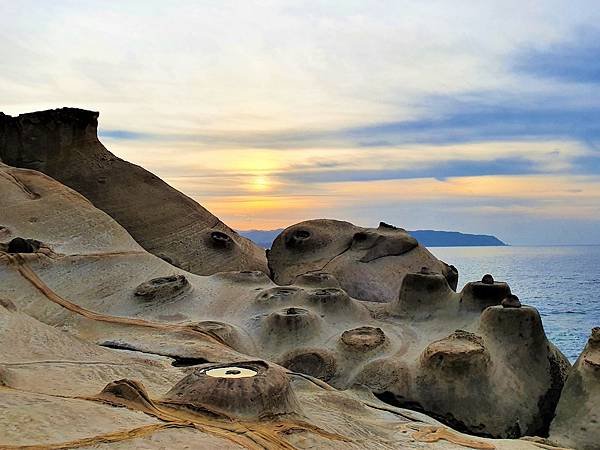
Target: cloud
x,y
344,102
439,171
126,135
468,118
464,121
588,164
576,60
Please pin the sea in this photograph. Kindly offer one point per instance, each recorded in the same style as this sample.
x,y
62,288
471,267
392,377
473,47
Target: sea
x,y
563,283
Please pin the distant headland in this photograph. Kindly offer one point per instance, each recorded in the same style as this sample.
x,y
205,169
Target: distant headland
x,y
428,238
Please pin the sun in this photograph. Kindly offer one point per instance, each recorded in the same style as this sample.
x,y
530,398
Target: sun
x,y
260,183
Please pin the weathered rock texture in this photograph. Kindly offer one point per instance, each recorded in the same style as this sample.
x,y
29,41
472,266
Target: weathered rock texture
x,y
577,421
369,263
89,321
64,144
250,390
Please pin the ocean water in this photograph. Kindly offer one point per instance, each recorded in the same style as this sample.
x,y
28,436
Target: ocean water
x,y
563,283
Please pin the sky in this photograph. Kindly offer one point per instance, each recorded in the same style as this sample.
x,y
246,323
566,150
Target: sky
x,y
480,117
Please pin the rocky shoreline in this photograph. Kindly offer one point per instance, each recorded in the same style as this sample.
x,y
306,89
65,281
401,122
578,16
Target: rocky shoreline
x,y
131,316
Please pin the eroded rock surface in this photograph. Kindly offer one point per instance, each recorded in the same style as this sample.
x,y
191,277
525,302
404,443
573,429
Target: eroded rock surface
x,y
577,421
250,390
64,144
103,310
368,263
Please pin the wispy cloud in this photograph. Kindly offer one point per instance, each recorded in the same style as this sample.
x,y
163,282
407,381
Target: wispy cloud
x,y
440,171
127,135
575,60
424,113
471,117
479,123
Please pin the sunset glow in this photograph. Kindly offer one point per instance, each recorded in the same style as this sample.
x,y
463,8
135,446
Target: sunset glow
x,y
269,113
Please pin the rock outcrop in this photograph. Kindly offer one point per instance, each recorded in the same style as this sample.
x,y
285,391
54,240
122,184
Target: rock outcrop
x,y
89,308
369,263
577,421
249,390
64,144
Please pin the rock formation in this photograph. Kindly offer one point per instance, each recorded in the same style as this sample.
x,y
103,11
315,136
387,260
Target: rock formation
x,y
577,421
250,390
369,263
90,321
64,144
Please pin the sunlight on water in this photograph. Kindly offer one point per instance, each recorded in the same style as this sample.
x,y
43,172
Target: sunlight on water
x,y
563,283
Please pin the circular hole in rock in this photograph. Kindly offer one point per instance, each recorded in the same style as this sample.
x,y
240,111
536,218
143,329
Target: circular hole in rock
x,y
219,236
301,234
360,236
20,245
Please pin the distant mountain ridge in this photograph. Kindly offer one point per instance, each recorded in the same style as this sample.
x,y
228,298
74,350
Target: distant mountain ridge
x,y
434,238
428,238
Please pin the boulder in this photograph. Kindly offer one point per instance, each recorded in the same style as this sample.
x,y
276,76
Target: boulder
x,y
368,263
577,421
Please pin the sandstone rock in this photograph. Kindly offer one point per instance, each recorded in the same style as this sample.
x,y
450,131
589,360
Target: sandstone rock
x,y
250,390
63,144
511,301
162,288
478,295
368,263
75,325
577,421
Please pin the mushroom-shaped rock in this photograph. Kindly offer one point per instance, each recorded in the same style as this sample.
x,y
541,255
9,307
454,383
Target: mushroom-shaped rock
x,y
454,381
523,355
291,324
422,294
162,288
514,329
249,390
461,378
458,353
329,298
577,420
334,302
363,339
479,295
319,363
224,332
369,263
63,143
